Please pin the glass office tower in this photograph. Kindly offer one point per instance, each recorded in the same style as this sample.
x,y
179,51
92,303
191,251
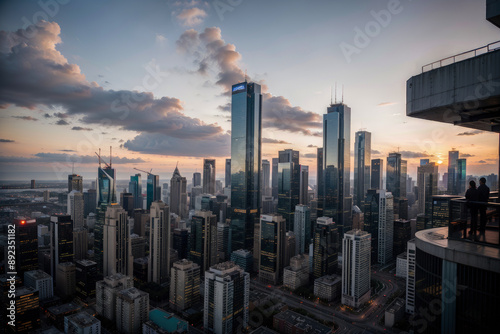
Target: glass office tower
x,y
337,202
362,161
288,185
135,188
153,190
107,187
246,127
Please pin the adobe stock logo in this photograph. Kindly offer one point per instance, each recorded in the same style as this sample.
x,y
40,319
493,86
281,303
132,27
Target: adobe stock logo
x,y
372,28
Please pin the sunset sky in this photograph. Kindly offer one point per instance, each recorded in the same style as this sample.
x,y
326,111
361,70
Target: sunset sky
x,y
150,78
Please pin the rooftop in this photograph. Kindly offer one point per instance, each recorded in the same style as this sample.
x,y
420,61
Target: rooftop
x,y
62,309
86,262
38,274
328,280
132,293
167,321
83,319
435,242
302,322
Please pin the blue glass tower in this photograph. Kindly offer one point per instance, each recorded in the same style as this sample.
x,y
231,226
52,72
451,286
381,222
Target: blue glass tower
x,y
107,187
362,162
246,128
337,202
153,190
135,188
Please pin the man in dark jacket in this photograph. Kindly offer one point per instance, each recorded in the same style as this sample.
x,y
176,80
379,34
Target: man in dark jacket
x,y
484,196
472,197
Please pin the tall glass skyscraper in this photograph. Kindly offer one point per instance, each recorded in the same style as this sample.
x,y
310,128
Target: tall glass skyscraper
x,y
320,186
337,202
362,161
396,175
209,176
461,176
246,131
153,190
107,186
377,174
452,172
227,178
135,188
288,185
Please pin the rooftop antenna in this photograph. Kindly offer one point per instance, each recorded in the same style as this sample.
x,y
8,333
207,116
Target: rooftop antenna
x,y
335,91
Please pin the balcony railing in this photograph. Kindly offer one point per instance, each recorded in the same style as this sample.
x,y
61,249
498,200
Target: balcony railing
x,y
462,216
461,56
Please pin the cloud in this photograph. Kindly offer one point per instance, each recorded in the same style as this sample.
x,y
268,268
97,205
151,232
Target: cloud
x,y
62,122
386,104
466,155
470,133
6,141
273,141
65,158
154,143
311,145
191,17
482,162
26,118
52,81
413,155
309,155
226,107
61,115
47,115
79,128
160,40
376,152
67,150
212,52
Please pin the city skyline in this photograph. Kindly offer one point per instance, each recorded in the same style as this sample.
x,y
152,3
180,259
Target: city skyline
x,y
205,52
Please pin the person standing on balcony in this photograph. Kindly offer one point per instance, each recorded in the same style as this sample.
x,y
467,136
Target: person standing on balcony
x,y
472,196
484,196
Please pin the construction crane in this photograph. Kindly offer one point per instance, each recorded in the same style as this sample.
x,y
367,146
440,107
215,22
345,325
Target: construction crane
x,y
101,159
140,170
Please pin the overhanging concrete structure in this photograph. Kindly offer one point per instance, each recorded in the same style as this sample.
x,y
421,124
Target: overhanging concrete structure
x,y
459,91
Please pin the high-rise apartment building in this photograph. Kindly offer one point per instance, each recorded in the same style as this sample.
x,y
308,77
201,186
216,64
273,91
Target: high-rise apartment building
x,y
106,292
159,243
184,285
356,268
41,281
132,310
246,134
117,251
76,208
227,290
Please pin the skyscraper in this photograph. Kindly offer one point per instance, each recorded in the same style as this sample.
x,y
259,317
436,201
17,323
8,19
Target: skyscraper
x,y
356,268
117,246
379,222
227,177
362,162
320,186
266,178
135,188
203,239
75,182
76,208
159,243
274,171
452,172
209,176
396,175
288,185
462,176
302,228
272,242
153,190
377,174
246,133
107,187
337,202
26,245
227,291
61,241
106,292
197,179
178,194
89,202
86,279
427,182
132,310
325,247
304,185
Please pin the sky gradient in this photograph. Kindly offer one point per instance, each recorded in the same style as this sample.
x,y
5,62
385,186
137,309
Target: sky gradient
x,y
151,80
